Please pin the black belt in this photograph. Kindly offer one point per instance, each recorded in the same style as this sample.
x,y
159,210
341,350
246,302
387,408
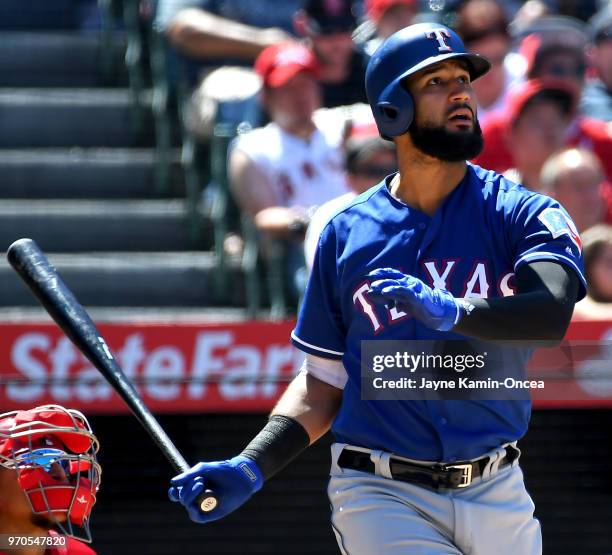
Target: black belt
x,y
434,476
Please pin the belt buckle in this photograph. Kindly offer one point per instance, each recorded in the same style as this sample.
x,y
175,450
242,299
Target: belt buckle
x,y
466,474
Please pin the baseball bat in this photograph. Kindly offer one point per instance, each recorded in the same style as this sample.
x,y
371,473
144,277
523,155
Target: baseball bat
x,y
42,278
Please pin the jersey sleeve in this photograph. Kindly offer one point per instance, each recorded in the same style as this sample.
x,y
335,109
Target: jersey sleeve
x,y
541,229
320,330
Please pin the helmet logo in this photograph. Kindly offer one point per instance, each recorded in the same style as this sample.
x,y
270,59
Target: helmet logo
x,y
441,35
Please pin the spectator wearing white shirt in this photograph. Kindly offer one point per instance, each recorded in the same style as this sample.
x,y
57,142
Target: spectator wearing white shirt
x,y
281,171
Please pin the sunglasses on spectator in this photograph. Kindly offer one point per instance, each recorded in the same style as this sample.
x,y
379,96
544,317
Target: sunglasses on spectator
x,y
374,171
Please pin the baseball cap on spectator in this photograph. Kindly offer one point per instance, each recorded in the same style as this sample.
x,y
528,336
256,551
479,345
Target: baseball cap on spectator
x,y
325,17
601,25
278,63
534,90
375,9
552,35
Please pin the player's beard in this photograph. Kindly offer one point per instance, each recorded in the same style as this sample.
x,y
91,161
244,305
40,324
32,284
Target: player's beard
x,y
449,146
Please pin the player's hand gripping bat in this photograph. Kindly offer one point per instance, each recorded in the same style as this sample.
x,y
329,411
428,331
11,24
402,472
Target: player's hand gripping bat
x,y
42,278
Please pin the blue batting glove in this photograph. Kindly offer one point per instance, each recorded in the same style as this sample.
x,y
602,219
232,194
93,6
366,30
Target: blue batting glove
x,y
234,481
436,308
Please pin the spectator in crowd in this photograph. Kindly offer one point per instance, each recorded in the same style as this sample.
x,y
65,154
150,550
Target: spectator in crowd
x,y
557,50
535,9
579,131
575,178
597,245
483,26
327,27
49,477
532,129
597,95
220,30
383,18
597,250
369,159
280,172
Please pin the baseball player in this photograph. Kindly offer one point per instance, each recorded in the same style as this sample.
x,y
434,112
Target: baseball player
x,y
440,250
49,477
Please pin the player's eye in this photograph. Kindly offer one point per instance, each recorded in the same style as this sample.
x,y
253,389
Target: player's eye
x,y
463,79
434,81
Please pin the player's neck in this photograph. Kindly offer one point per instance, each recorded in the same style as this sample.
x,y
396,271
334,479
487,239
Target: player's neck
x,y
424,182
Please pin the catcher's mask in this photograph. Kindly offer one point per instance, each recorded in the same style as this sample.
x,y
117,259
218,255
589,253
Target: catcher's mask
x,y
53,450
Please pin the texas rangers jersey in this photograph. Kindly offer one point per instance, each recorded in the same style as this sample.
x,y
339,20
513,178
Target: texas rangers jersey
x,y
485,230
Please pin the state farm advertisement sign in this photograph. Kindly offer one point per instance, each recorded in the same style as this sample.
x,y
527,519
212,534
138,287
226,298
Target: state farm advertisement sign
x,y
229,367
176,368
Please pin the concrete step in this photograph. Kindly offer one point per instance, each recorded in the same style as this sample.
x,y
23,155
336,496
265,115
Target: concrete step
x,y
158,279
65,118
81,173
90,225
56,59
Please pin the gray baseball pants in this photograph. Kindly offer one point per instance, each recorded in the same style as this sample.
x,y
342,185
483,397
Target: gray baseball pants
x,y
375,515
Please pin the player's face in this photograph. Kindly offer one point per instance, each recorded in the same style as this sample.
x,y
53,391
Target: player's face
x,y
445,124
14,506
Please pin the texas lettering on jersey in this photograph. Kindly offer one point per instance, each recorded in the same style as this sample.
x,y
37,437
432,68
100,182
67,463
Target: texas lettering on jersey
x,y
478,284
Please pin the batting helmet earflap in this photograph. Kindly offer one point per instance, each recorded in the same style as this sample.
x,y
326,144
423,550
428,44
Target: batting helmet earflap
x,y
402,54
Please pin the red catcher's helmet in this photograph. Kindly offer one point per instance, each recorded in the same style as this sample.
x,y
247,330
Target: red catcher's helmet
x,y
53,450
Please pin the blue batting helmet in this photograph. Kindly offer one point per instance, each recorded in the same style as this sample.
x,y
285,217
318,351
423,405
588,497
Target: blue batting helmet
x,y
402,54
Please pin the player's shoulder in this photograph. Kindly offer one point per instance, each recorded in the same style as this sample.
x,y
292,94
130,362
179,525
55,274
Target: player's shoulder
x,y
355,212
360,204
501,191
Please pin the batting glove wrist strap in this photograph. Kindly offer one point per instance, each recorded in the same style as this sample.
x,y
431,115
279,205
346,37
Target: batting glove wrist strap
x,y
279,442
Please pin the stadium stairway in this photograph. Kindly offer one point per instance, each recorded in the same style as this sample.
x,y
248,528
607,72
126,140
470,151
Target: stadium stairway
x,y
79,180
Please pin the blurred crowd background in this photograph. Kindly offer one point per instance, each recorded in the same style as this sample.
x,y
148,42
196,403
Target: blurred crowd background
x,y
286,79
177,159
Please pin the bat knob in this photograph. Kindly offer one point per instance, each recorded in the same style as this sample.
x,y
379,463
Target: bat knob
x,y
207,501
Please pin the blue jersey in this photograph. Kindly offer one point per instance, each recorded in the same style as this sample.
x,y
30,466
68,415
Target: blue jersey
x,y
472,246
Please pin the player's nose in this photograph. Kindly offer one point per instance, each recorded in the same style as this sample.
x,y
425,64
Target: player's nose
x,y
461,92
